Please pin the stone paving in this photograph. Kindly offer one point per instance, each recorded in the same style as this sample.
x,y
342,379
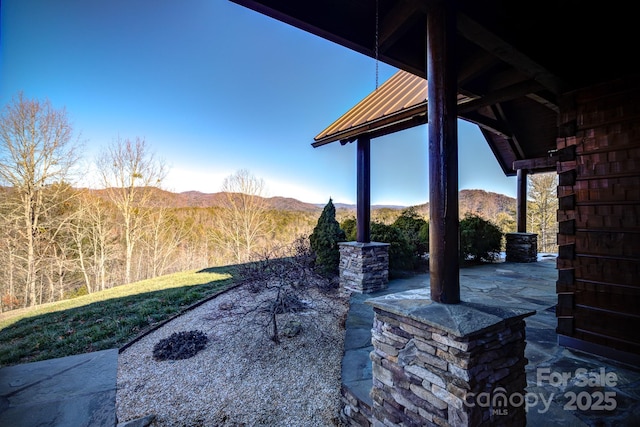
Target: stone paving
x,y
597,391
69,391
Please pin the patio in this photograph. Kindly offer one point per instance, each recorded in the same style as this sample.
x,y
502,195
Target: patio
x,y
564,387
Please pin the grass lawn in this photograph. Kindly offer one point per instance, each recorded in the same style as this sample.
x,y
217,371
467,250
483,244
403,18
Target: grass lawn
x,y
103,320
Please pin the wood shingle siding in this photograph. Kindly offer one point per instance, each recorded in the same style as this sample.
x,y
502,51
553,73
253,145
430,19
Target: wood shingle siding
x,y
599,235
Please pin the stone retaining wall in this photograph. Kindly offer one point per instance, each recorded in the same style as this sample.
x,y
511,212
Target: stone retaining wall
x,y
355,412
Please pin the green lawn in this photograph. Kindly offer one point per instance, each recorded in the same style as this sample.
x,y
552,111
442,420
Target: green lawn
x,y
103,320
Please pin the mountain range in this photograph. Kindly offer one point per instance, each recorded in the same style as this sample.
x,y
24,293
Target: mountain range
x,y
474,201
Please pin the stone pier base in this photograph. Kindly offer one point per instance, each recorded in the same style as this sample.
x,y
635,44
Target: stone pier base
x,y
364,267
447,364
522,247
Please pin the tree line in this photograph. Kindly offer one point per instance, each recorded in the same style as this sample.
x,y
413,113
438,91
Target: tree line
x,y
58,239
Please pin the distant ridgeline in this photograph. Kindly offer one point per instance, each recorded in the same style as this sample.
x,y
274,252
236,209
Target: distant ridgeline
x,y
480,202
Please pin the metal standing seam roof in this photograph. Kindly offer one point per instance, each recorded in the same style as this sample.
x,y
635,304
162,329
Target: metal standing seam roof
x,y
401,97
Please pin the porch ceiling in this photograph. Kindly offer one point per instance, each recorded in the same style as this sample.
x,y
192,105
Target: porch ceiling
x,y
513,60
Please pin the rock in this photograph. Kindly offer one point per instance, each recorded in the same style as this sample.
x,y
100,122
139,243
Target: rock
x,y
291,329
226,305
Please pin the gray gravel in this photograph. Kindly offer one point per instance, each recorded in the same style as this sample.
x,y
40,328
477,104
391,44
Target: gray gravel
x,y
241,377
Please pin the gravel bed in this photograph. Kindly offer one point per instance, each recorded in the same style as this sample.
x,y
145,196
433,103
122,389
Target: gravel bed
x,y
241,377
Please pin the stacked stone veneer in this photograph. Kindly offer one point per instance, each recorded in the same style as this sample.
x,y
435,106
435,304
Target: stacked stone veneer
x,y
355,411
521,247
364,267
447,365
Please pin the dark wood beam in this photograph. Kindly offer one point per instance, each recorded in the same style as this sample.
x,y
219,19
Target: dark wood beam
x,y
476,33
501,115
491,125
475,66
396,23
521,201
497,96
548,101
363,207
443,154
539,164
546,163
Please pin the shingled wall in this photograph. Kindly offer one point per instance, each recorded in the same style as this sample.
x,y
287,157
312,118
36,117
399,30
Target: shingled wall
x,y
598,263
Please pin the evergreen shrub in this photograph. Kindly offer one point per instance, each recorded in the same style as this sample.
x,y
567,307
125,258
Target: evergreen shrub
x,y
413,226
400,251
480,240
350,227
324,242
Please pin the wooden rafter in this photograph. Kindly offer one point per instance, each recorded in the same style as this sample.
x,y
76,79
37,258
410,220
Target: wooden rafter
x,y
396,23
493,44
513,139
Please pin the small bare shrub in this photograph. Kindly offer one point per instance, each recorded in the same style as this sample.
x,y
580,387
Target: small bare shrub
x,y
180,345
283,277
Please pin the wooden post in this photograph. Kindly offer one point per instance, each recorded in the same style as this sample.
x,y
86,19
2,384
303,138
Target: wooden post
x,y
443,154
521,195
363,209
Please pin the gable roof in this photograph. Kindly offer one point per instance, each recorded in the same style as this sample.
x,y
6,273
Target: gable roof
x,y
401,98
398,104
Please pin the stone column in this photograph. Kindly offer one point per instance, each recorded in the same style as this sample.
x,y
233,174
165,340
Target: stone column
x,y
364,267
521,247
447,364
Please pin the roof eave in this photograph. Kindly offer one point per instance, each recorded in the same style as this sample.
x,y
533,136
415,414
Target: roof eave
x,y
402,119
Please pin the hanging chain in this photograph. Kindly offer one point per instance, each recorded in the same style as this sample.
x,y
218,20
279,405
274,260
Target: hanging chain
x,y
376,50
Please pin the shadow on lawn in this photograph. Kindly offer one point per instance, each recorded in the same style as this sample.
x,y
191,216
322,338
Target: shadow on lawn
x,y
112,323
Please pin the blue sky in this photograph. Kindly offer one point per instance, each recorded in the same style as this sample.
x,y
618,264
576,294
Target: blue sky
x,y
214,87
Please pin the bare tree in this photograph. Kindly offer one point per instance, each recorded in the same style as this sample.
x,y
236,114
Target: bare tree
x,y
8,251
36,152
164,236
57,247
542,209
195,225
95,242
283,283
243,221
130,173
